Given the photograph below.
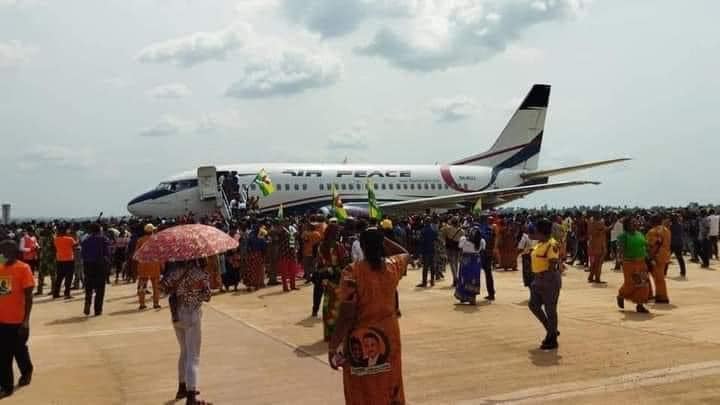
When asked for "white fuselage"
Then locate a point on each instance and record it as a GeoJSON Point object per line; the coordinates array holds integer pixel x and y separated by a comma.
{"type": "Point", "coordinates": [306, 187]}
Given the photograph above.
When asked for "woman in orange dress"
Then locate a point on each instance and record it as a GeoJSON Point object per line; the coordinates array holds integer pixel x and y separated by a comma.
{"type": "Point", "coordinates": [366, 342]}
{"type": "Point", "coordinates": [148, 272]}
{"type": "Point", "coordinates": [507, 245]}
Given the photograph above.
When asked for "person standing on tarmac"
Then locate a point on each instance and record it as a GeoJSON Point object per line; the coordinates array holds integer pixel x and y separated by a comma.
{"type": "Point", "coordinates": [546, 284]}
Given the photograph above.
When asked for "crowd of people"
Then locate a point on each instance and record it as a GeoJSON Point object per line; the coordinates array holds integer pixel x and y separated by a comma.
{"type": "Point", "coordinates": [354, 268]}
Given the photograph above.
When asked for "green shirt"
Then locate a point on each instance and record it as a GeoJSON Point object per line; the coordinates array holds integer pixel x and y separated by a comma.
{"type": "Point", "coordinates": [634, 245]}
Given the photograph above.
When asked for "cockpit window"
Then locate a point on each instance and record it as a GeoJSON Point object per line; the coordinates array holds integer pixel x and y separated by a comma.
{"type": "Point", "coordinates": [174, 186]}
{"type": "Point", "coordinates": [164, 186]}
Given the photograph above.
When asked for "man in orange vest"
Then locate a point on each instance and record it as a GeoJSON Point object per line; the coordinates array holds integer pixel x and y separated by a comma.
{"type": "Point", "coordinates": [16, 294]}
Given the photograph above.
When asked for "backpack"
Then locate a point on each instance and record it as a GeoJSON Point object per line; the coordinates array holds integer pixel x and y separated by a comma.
{"type": "Point", "coordinates": [451, 243]}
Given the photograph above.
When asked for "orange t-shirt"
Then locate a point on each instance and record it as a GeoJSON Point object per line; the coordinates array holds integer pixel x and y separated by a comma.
{"type": "Point", "coordinates": [310, 239]}
{"type": "Point", "coordinates": [64, 248]}
{"type": "Point", "coordinates": [14, 279]}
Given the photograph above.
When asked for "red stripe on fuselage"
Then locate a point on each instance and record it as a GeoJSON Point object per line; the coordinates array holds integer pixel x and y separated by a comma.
{"type": "Point", "coordinates": [449, 180]}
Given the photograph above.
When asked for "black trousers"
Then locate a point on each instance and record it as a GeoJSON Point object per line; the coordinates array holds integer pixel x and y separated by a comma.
{"type": "Point", "coordinates": [428, 269]}
{"type": "Point", "coordinates": [678, 252]}
{"type": "Point", "coordinates": [705, 252]}
{"type": "Point", "coordinates": [65, 271]}
{"type": "Point", "coordinates": [487, 266]}
{"type": "Point", "coordinates": [544, 296]}
{"type": "Point", "coordinates": [318, 291]}
{"type": "Point", "coordinates": [95, 276]}
{"type": "Point", "coordinates": [581, 254]}
{"type": "Point", "coordinates": [13, 345]}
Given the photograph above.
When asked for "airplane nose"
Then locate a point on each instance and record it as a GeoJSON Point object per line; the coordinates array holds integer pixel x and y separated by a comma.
{"type": "Point", "coordinates": [141, 205]}
{"type": "Point", "coordinates": [136, 205]}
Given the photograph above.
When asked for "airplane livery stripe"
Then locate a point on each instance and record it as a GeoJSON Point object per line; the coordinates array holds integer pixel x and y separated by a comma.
{"type": "Point", "coordinates": [476, 158]}
{"type": "Point", "coordinates": [528, 150]}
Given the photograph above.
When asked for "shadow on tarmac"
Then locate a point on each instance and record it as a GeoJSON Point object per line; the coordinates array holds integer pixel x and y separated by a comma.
{"type": "Point", "coordinates": [542, 358]}
{"type": "Point", "coordinates": [312, 350]}
{"type": "Point", "coordinates": [68, 321]}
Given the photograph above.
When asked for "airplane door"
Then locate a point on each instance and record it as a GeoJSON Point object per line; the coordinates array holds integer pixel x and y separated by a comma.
{"type": "Point", "coordinates": [207, 182]}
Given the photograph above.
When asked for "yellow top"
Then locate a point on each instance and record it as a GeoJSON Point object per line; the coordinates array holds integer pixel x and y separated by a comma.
{"type": "Point", "coordinates": [543, 253]}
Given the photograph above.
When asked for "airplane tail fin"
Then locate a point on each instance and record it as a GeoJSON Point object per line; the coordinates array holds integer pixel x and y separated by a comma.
{"type": "Point", "coordinates": [518, 146]}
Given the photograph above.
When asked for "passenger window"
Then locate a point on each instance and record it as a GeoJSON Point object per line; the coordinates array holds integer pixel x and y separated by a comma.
{"type": "Point", "coordinates": [343, 186]}
{"type": "Point", "coordinates": [321, 186]}
{"type": "Point", "coordinates": [432, 186]}
{"type": "Point", "coordinates": [390, 186]}
{"type": "Point", "coordinates": [465, 186]}
{"type": "Point", "coordinates": [405, 186]}
{"type": "Point", "coordinates": [304, 187]}
{"type": "Point", "coordinates": [329, 187]}
{"type": "Point", "coordinates": [412, 186]}
{"type": "Point", "coordinates": [382, 186]}
{"type": "Point", "coordinates": [375, 186]}
{"type": "Point", "coordinates": [297, 187]}
{"type": "Point", "coordinates": [426, 186]}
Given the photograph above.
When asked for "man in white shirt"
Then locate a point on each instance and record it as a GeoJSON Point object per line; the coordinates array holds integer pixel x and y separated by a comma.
{"type": "Point", "coordinates": [714, 232]}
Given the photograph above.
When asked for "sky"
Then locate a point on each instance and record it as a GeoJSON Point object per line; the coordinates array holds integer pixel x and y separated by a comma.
{"type": "Point", "coordinates": [101, 100]}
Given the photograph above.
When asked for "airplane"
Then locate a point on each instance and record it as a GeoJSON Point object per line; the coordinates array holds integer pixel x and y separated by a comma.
{"type": "Point", "coordinates": [505, 172]}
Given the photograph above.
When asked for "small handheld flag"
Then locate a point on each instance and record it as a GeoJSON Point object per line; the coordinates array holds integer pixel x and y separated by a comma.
{"type": "Point", "coordinates": [373, 208]}
{"type": "Point", "coordinates": [337, 206]}
{"type": "Point", "coordinates": [477, 208]}
{"type": "Point", "coordinates": [264, 183]}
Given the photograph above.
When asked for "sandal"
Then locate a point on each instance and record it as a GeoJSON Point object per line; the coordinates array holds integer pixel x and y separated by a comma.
{"type": "Point", "coordinates": [193, 400]}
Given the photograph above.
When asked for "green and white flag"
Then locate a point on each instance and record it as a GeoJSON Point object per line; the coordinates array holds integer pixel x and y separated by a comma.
{"type": "Point", "coordinates": [477, 208]}
{"type": "Point", "coordinates": [373, 208]}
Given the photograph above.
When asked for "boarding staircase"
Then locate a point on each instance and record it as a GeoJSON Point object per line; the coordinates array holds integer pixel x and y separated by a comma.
{"type": "Point", "coordinates": [211, 189]}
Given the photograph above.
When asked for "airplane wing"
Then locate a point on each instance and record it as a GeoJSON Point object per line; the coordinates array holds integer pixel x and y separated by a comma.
{"type": "Point", "coordinates": [500, 194]}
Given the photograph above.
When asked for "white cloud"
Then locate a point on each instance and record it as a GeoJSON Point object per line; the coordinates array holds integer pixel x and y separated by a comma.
{"type": "Point", "coordinates": [14, 53]}
{"type": "Point", "coordinates": [167, 125]}
{"type": "Point", "coordinates": [269, 66]}
{"type": "Point", "coordinates": [198, 47]}
{"type": "Point", "coordinates": [169, 91]}
{"type": "Point", "coordinates": [353, 139]}
{"type": "Point", "coordinates": [212, 122]}
{"type": "Point", "coordinates": [58, 156]}
{"type": "Point", "coordinates": [333, 18]}
{"type": "Point", "coordinates": [287, 72]}
{"type": "Point", "coordinates": [253, 8]}
{"type": "Point", "coordinates": [428, 35]}
{"type": "Point", "coordinates": [453, 108]}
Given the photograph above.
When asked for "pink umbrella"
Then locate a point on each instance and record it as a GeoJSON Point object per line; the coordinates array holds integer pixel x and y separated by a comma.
{"type": "Point", "coordinates": [185, 242]}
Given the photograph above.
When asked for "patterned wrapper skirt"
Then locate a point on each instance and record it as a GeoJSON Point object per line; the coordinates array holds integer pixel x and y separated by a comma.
{"type": "Point", "coordinates": [468, 282]}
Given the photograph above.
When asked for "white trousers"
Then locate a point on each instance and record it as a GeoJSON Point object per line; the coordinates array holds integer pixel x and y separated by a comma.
{"type": "Point", "coordinates": [189, 336]}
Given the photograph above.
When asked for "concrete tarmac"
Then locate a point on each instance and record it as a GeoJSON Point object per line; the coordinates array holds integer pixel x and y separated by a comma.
{"type": "Point", "coordinates": [263, 348]}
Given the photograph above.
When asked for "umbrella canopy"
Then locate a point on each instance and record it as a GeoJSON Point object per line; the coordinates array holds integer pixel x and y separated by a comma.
{"type": "Point", "coordinates": [185, 242]}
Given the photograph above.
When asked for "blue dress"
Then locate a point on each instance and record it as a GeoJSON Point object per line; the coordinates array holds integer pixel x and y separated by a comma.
{"type": "Point", "coordinates": [468, 282]}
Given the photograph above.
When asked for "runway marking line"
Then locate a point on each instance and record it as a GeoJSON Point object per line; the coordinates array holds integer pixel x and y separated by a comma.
{"type": "Point", "coordinates": [602, 385]}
